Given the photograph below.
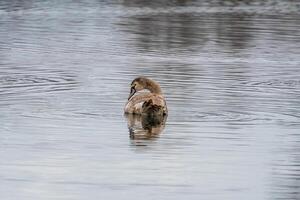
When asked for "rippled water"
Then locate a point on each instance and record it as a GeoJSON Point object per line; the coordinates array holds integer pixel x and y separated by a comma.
{"type": "Point", "coordinates": [230, 74]}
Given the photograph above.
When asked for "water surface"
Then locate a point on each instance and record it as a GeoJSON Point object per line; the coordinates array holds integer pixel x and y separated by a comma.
{"type": "Point", "coordinates": [230, 74]}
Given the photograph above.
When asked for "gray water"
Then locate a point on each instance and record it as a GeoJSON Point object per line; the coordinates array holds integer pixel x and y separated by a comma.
{"type": "Point", "coordinates": [230, 72]}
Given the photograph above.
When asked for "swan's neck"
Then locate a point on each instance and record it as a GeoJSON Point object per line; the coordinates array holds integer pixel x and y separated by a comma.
{"type": "Point", "coordinates": [153, 87]}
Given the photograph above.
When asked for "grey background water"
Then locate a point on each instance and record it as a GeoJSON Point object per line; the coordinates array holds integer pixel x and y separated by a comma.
{"type": "Point", "coordinates": [229, 71]}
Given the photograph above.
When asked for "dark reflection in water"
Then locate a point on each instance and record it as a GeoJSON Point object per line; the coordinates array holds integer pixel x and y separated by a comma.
{"type": "Point", "coordinates": [185, 32]}
{"type": "Point", "coordinates": [155, 3]}
{"type": "Point", "coordinates": [159, 32]}
{"type": "Point", "coordinates": [229, 70]}
{"type": "Point", "coordinates": [145, 127]}
{"type": "Point", "coordinates": [179, 3]}
{"type": "Point", "coordinates": [237, 36]}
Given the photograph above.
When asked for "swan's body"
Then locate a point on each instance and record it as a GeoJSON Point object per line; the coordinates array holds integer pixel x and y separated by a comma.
{"type": "Point", "coordinates": [150, 103]}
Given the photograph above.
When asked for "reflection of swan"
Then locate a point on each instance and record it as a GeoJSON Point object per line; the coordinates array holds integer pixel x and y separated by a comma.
{"type": "Point", "coordinates": [145, 127]}
{"type": "Point", "coordinates": [151, 103]}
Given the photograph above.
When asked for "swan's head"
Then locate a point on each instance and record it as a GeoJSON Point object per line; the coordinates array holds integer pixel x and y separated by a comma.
{"type": "Point", "coordinates": [137, 84]}
{"type": "Point", "coordinates": [142, 83]}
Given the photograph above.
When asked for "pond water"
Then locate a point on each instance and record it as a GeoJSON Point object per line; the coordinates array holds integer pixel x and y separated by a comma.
{"type": "Point", "coordinates": [230, 72]}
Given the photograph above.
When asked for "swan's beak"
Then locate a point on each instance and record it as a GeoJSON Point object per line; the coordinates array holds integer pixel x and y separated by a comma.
{"type": "Point", "coordinates": [132, 92]}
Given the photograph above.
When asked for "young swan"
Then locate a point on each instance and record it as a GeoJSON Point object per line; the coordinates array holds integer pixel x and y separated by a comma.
{"type": "Point", "coordinates": [151, 103]}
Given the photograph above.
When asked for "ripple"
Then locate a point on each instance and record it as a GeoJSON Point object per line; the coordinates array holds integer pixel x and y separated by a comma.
{"type": "Point", "coordinates": [39, 83]}
{"type": "Point", "coordinates": [277, 83]}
